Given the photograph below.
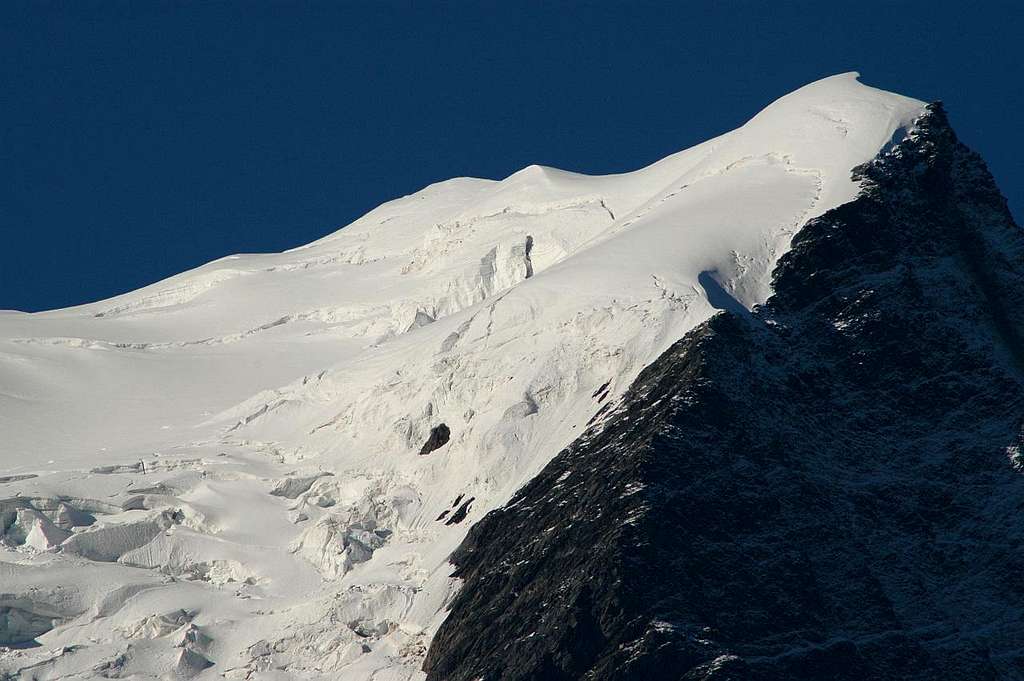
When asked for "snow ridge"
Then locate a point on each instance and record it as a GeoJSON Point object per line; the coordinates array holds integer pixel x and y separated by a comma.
{"type": "Point", "coordinates": [260, 419]}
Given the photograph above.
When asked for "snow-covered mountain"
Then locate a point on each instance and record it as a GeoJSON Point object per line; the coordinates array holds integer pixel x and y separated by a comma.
{"type": "Point", "coordinates": [259, 468]}
{"type": "Point", "coordinates": [827, 488]}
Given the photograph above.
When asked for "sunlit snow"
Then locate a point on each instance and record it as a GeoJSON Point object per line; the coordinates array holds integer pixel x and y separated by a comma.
{"type": "Point", "coordinates": [224, 467]}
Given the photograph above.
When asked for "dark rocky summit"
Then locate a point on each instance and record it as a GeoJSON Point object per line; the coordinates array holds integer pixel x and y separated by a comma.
{"type": "Point", "coordinates": [828, 489]}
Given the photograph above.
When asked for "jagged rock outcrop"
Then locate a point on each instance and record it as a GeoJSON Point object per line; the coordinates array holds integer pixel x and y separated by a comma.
{"type": "Point", "coordinates": [439, 436]}
{"type": "Point", "coordinates": [830, 488]}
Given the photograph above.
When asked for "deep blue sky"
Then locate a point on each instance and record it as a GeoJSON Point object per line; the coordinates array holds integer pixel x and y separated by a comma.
{"type": "Point", "coordinates": [141, 139]}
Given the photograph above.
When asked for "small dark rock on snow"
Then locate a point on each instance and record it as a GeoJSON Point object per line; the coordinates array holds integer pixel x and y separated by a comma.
{"type": "Point", "coordinates": [439, 436]}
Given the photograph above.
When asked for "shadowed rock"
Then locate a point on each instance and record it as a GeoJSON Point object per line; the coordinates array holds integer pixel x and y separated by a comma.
{"type": "Point", "coordinates": [439, 436]}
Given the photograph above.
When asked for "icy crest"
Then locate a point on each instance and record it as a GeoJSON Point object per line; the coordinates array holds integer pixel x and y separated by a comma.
{"type": "Point", "coordinates": [255, 426]}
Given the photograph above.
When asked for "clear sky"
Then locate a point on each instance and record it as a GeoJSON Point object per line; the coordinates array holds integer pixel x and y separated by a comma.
{"type": "Point", "coordinates": [140, 139]}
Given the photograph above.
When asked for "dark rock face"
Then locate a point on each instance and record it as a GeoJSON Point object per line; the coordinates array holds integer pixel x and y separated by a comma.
{"type": "Point", "coordinates": [439, 436]}
{"type": "Point", "coordinates": [828, 489]}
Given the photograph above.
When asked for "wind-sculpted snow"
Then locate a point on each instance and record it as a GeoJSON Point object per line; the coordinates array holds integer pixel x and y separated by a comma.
{"type": "Point", "coordinates": [258, 423]}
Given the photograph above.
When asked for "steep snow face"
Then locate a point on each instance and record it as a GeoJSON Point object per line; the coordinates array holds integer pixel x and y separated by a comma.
{"type": "Point", "coordinates": [245, 464]}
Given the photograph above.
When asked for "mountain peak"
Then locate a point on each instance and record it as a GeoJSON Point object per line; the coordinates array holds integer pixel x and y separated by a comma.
{"type": "Point", "coordinates": [823, 489]}
{"type": "Point", "coordinates": [319, 428]}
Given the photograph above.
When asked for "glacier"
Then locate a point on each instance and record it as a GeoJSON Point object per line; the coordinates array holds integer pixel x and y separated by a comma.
{"type": "Point", "coordinates": [224, 474]}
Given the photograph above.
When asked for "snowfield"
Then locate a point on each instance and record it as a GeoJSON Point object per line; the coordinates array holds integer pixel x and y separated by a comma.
{"type": "Point", "coordinates": [220, 475]}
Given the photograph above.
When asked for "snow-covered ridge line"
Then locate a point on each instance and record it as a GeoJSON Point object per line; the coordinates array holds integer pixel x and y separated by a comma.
{"type": "Point", "coordinates": [344, 411]}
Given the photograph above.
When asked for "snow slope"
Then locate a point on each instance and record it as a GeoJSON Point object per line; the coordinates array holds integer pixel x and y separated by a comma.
{"type": "Point", "coordinates": [225, 465]}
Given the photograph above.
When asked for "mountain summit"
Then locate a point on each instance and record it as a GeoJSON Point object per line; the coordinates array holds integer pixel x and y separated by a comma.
{"type": "Point", "coordinates": [827, 488]}
{"type": "Point", "coordinates": [782, 369]}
